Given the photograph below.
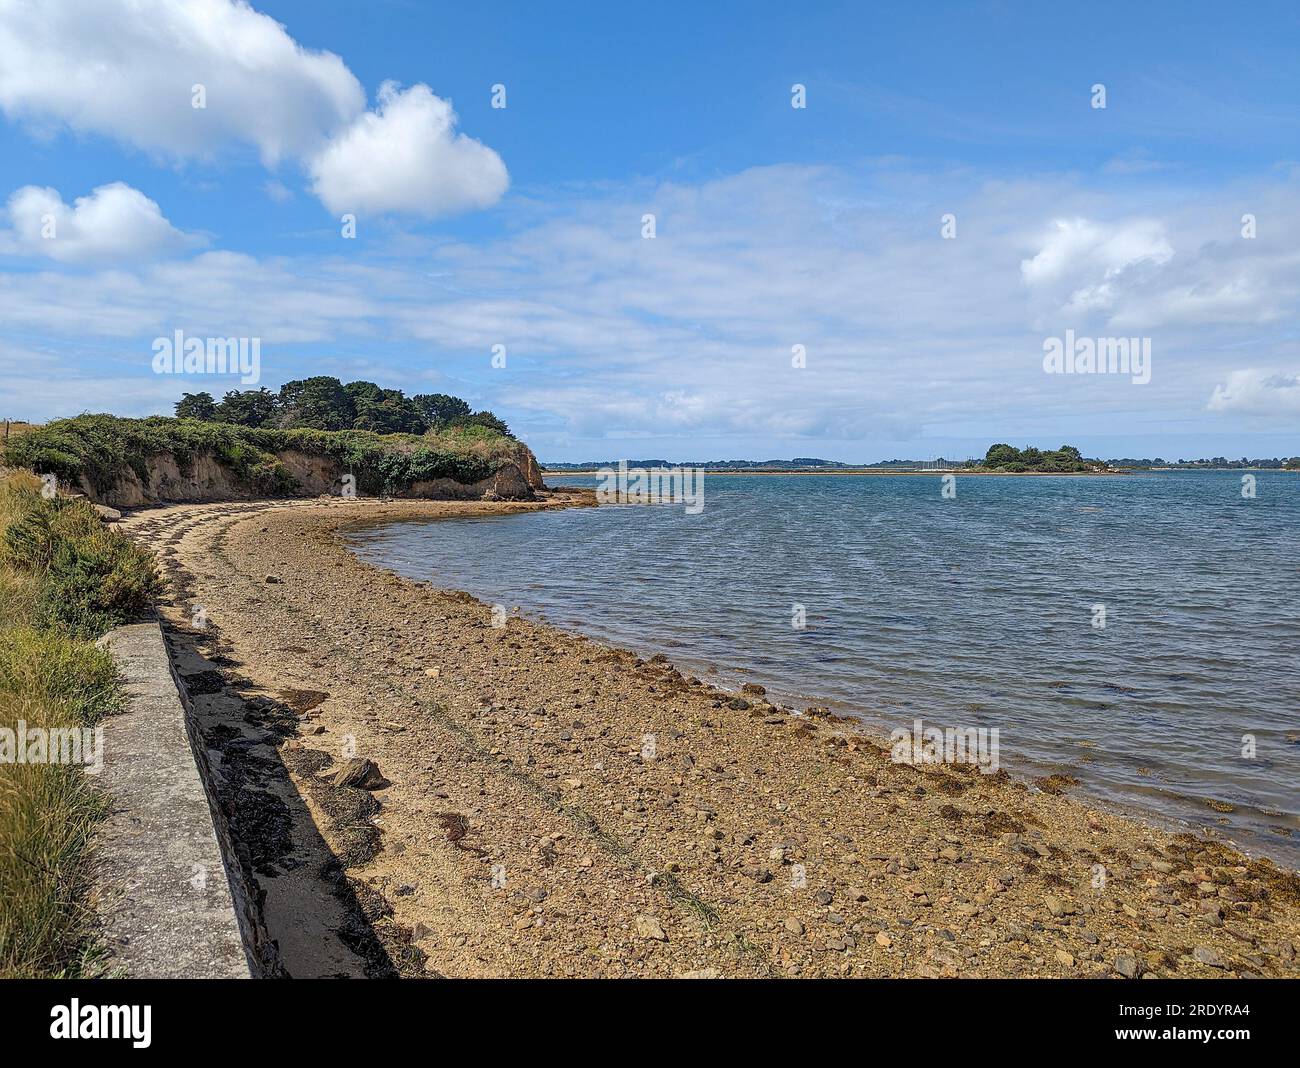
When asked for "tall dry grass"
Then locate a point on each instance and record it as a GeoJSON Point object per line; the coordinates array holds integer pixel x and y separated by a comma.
{"type": "Point", "coordinates": [62, 578]}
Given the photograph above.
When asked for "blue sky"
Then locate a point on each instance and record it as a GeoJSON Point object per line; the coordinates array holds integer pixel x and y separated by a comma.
{"type": "Point", "coordinates": [775, 227]}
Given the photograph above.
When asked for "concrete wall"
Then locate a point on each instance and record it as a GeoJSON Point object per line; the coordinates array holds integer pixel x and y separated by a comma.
{"type": "Point", "coordinates": [165, 899]}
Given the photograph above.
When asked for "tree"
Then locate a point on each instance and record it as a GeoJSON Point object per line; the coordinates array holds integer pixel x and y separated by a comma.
{"type": "Point", "coordinates": [321, 403]}
{"type": "Point", "coordinates": [386, 411]}
{"type": "Point", "coordinates": [196, 406]}
{"type": "Point", "coordinates": [440, 409]}
{"type": "Point", "coordinates": [251, 407]}
{"type": "Point", "coordinates": [1001, 455]}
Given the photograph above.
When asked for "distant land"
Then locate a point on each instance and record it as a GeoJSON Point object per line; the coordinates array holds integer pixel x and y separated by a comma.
{"type": "Point", "coordinates": [807, 463]}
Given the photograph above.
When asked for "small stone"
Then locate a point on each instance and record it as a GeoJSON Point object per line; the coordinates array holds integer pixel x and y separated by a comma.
{"type": "Point", "coordinates": [794, 926]}
{"type": "Point", "coordinates": [273, 578]}
{"type": "Point", "coordinates": [649, 928]}
{"type": "Point", "coordinates": [1208, 957]}
{"type": "Point", "coordinates": [1054, 905]}
{"type": "Point", "coordinates": [883, 940]}
{"type": "Point", "coordinates": [698, 973]}
{"type": "Point", "coordinates": [433, 673]}
{"type": "Point", "coordinates": [1126, 966]}
{"type": "Point", "coordinates": [1065, 958]}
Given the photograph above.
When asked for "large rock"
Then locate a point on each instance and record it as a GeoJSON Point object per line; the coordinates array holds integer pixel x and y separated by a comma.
{"type": "Point", "coordinates": [361, 773]}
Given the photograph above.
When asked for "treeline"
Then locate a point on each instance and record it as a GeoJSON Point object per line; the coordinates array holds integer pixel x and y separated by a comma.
{"type": "Point", "coordinates": [1003, 457]}
{"type": "Point", "coordinates": [1276, 463]}
{"type": "Point", "coordinates": [325, 403]}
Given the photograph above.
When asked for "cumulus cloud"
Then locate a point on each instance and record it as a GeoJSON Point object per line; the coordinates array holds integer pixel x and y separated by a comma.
{"type": "Point", "coordinates": [1258, 392]}
{"type": "Point", "coordinates": [133, 70]}
{"type": "Point", "coordinates": [127, 69]}
{"type": "Point", "coordinates": [406, 157]}
{"type": "Point", "coordinates": [114, 222]}
{"type": "Point", "coordinates": [1081, 262]}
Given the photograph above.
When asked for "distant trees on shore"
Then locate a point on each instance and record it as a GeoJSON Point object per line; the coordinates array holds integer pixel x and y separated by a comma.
{"type": "Point", "coordinates": [325, 403]}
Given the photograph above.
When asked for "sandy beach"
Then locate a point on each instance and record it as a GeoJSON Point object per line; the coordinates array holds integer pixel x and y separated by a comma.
{"type": "Point", "coordinates": [544, 805]}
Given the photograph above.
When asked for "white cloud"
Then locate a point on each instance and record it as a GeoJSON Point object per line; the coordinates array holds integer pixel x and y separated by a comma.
{"type": "Point", "coordinates": [1082, 263]}
{"type": "Point", "coordinates": [1257, 392]}
{"type": "Point", "coordinates": [126, 69]}
{"type": "Point", "coordinates": [115, 222]}
{"type": "Point", "coordinates": [406, 157]}
{"type": "Point", "coordinates": [687, 338]}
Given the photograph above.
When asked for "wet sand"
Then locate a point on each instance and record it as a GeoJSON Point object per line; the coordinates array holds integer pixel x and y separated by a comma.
{"type": "Point", "coordinates": [556, 807]}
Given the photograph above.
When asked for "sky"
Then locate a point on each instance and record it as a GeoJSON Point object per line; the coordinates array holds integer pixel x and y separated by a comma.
{"type": "Point", "coordinates": [877, 273]}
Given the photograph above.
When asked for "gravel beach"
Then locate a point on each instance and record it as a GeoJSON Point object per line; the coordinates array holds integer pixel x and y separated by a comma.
{"type": "Point", "coordinates": [427, 794]}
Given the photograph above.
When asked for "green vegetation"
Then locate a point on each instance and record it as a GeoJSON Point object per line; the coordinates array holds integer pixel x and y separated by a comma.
{"type": "Point", "coordinates": [325, 403]}
{"type": "Point", "coordinates": [64, 579]}
{"type": "Point", "coordinates": [102, 447]}
{"type": "Point", "coordinates": [1008, 458]}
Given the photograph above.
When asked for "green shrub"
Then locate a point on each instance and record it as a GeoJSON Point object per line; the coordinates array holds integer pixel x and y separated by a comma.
{"type": "Point", "coordinates": [99, 448]}
{"type": "Point", "coordinates": [91, 578]}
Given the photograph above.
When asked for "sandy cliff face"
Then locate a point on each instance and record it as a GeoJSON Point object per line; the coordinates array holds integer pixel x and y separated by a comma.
{"type": "Point", "coordinates": [527, 463]}
{"type": "Point", "coordinates": [204, 480]}
{"type": "Point", "coordinates": [207, 479]}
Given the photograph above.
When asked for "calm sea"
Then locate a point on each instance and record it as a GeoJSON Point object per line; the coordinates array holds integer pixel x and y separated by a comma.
{"type": "Point", "coordinates": [977, 611]}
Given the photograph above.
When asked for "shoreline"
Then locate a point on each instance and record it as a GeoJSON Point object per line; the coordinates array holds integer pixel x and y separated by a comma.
{"type": "Point", "coordinates": [517, 755]}
{"type": "Point", "coordinates": [867, 471]}
{"type": "Point", "coordinates": [945, 471]}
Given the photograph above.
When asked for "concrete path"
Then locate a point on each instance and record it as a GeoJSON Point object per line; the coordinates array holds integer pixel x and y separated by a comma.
{"type": "Point", "coordinates": [162, 893]}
